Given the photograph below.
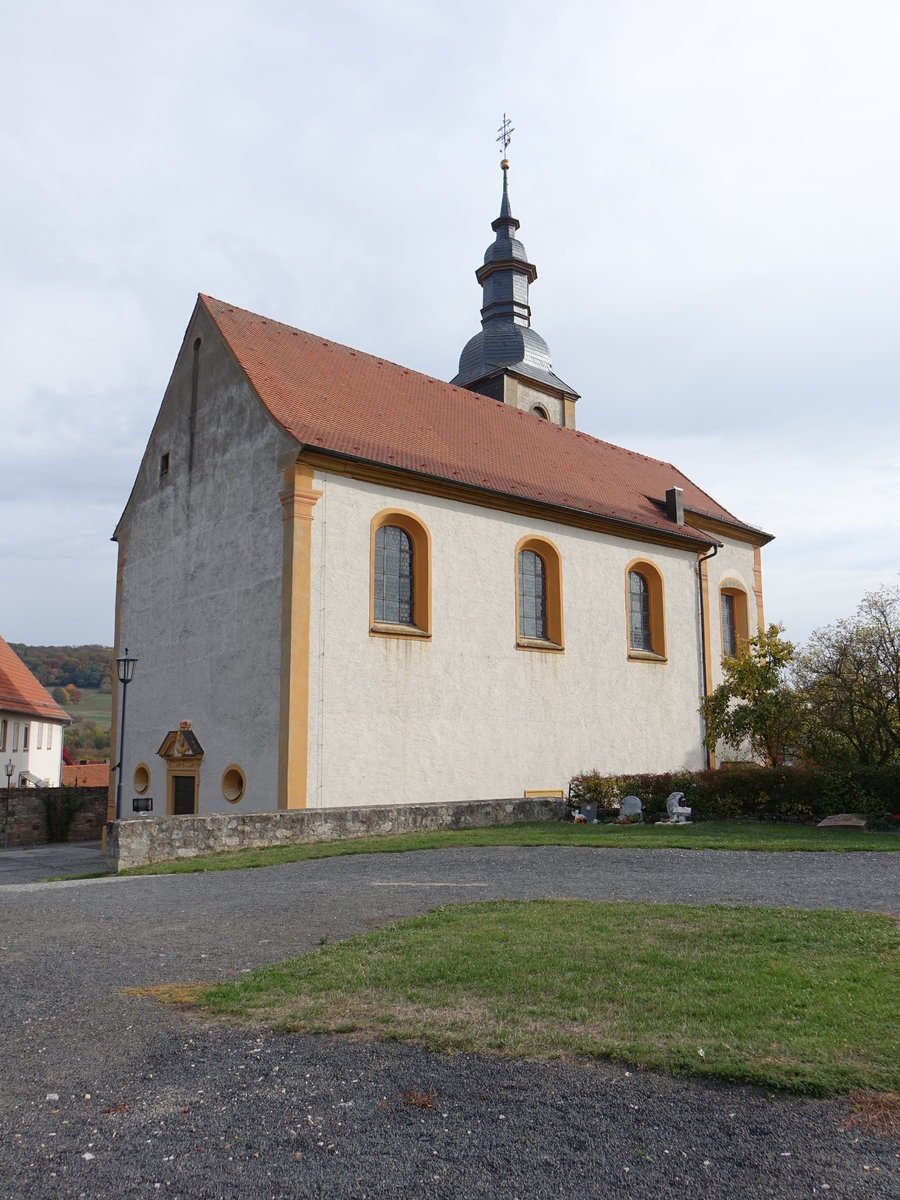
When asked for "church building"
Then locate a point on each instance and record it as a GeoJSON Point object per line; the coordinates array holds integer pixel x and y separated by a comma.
{"type": "Point", "coordinates": [348, 583]}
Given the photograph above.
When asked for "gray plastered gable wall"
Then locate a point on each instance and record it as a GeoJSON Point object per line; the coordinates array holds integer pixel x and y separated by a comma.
{"type": "Point", "coordinates": [201, 585]}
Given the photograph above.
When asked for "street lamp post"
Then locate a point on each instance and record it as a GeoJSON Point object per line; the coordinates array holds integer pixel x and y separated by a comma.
{"type": "Point", "coordinates": [9, 767]}
{"type": "Point", "coordinates": [125, 670]}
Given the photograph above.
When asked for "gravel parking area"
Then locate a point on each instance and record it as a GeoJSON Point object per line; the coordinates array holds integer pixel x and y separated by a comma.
{"type": "Point", "coordinates": [41, 862]}
{"type": "Point", "coordinates": [102, 1093]}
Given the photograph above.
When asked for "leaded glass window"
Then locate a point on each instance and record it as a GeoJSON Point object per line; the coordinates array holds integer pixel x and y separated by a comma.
{"type": "Point", "coordinates": [393, 576]}
{"type": "Point", "coordinates": [532, 595]}
{"type": "Point", "coordinates": [638, 612]}
{"type": "Point", "coordinates": [729, 632]}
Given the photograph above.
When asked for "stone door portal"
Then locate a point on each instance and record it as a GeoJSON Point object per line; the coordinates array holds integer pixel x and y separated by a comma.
{"type": "Point", "coordinates": [183, 756]}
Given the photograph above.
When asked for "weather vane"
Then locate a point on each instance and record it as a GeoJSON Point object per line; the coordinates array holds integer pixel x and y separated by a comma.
{"type": "Point", "coordinates": [505, 131]}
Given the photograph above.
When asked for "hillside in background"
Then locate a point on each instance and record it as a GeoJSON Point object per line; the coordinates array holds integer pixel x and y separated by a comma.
{"type": "Point", "coordinates": [80, 678]}
{"type": "Point", "coordinates": [59, 666]}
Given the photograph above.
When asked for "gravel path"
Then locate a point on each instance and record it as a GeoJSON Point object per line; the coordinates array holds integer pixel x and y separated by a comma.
{"type": "Point", "coordinates": [104, 1094]}
{"type": "Point", "coordinates": [45, 862]}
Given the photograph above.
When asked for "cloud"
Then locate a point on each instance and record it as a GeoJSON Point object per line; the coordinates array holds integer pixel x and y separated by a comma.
{"type": "Point", "coordinates": [704, 188]}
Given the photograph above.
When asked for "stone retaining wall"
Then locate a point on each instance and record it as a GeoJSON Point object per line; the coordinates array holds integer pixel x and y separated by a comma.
{"type": "Point", "coordinates": [27, 814]}
{"type": "Point", "coordinates": [134, 843]}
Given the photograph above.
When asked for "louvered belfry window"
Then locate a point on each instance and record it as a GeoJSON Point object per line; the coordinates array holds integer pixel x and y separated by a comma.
{"type": "Point", "coordinates": [393, 576]}
{"type": "Point", "coordinates": [638, 612]}
{"type": "Point", "coordinates": [532, 595]}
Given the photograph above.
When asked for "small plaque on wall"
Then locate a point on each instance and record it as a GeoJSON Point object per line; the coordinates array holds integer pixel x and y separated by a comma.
{"type": "Point", "coordinates": [142, 804]}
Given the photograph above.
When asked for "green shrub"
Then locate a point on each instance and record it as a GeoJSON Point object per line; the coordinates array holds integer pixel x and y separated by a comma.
{"type": "Point", "coordinates": [750, 792]}
{"type": "Point", "coordinates": [593, 788]}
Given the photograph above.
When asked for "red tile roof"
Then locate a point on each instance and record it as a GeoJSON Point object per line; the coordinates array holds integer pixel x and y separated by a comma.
{"type": "Point", "coordinates": [85, 775]}
{"type": "Point", "coordinates": [20, 692]}
{"type": "Point", "coordinates": [335, 399]}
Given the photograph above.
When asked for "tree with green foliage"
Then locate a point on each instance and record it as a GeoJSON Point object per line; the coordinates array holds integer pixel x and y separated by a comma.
{"type": "Point", "coordinates": [849, 674]}
{"type": "Point", "coordinates": [87, 740]}
{"type": "Point", "coordinates": [755, 705]}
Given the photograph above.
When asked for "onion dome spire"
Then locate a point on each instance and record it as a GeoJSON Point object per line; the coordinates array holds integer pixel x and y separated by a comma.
{"type": "Point", "coordinates": [507, 346]}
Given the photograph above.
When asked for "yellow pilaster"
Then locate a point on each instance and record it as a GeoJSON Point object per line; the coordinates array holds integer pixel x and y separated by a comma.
{"type": "Point", "coordinates": [757, 588]}
{"type": "Point", "coordinates": [707, 653]}
{"type": "Point", "coordinates": [297, 501]}
{"type": "Point", "coordinates": [568, 413]}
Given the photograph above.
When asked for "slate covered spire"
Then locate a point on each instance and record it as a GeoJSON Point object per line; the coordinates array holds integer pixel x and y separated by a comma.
{"type": "Point", "coordinates": [507, 344]}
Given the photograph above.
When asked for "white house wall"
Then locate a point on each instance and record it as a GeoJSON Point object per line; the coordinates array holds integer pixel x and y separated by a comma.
{"type": "Point", "coordinates": [45, 762]}
{"type": "Point", "coordinates": [466, 714]}
{"type": "Point", "coordinates": [201, 584]}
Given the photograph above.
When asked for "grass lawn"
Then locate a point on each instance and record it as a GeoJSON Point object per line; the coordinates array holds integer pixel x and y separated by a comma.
{"type": "Point", "coordinates": [786, 999]}
{"type": "Point", "coordinates": [95, 708]}
{"type": "Point", "coordinates": [708, 835]}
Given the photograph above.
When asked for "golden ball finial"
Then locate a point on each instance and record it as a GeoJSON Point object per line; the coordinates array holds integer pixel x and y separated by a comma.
{"type": "Point", "coordinates": [504, 165]}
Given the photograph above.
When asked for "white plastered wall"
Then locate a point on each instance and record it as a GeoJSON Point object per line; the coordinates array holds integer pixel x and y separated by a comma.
{"type": "Point", "coordinates": [467, 715]}
{"type": "Point", "coordinates": [201, 587]}
{"type": "Point", "coordinates": [44, 761]}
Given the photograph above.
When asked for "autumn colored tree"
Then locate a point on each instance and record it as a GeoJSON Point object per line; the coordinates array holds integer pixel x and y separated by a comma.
{"type": "Point", "coordinates": [87, 740]}
{"type": "Point", "coordinates": [56, 666]}
{"type": "Point", "coordinates": [755, 705]}
{"type": "Point", "coordinates": [850, 676]}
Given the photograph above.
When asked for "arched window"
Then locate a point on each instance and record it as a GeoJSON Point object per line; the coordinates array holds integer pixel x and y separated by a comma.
{"type": "Point", "coordinates": [539, 624]}
{"type": "Point", "coordinates": [393, 576]}
{"type": "Point", "coordinates": [638, 612]}
{"type": "Point", "coordinates": [645, 608]}
{"type": "Point", "coordinates": [400, 591]}
{"type": "Point", "coordinates": [735, 628]}
{"type": "Point", "coordinates": [532, 595]}
{"type": "Point", "coordinates": [540, 412]}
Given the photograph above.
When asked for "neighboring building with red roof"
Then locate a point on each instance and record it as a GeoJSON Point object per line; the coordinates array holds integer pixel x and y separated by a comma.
{"type": "Point", "coordinates": [346, 582]}
{"type": "Point", "coordinates": [85, 775]}
{"type": "Point", "coordinates": [31, 725]}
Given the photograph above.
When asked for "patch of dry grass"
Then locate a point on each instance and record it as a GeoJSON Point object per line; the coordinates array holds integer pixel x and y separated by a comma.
{"type": "Point", "coordinates": [874, 1112]}
{"type": "Point", "coordinates": [181, 995]}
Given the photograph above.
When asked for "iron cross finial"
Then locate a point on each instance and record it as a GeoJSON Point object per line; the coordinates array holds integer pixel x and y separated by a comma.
{"type": "Point", "coordinates": [505, 131]}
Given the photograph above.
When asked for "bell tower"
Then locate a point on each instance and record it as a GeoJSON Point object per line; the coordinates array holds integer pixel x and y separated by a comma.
{"type": "Point", "coordinates": [508, 360]}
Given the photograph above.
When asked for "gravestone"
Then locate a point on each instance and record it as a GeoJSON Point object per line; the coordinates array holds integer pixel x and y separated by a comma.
{"type": "Point", "coordinates": [842, 821]}
{"type": "Point", "coordinates": [630, 806]}
{"type": "Point", "coordinates": [678, 812]}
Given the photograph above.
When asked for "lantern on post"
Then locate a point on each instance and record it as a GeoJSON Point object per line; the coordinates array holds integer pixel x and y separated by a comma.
{"type": "Point", "coordinates": [125, 671]}
{"type": "Point", "coordinates": [9, 767]}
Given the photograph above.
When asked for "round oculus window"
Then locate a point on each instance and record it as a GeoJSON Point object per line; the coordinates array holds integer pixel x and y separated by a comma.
{"type": "Point", "coordinates": [233, 784]}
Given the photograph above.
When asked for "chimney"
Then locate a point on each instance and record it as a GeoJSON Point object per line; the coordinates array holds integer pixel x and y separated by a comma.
{"type": "Point", "coordinates": [675, 505]}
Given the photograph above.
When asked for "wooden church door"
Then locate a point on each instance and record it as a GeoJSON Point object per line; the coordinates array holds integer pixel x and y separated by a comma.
{"type": "Point", "coordinates": [184, 795]}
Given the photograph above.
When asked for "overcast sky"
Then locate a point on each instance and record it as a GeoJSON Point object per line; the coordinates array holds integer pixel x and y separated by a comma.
{"type": "Point", "coordinates": [710, 192]}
